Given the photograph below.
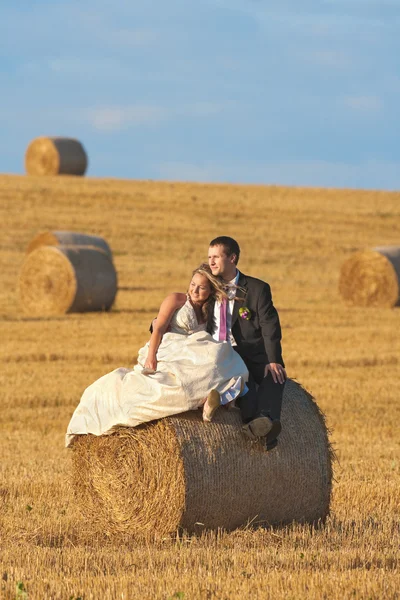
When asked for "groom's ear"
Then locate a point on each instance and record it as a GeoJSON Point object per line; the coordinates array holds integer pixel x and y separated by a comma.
{"type": "Point", "coordinates": [232, 258]}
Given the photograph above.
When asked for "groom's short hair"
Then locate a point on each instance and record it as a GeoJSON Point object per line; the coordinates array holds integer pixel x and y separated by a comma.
{"type": "Point", "coordinates": [230, 246]}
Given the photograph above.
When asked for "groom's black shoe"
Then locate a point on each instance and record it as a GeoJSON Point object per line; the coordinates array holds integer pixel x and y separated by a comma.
{"type": "Point", "coordinates": [271, 442]}
{"type": "Point", "coordinates": [271, 445]}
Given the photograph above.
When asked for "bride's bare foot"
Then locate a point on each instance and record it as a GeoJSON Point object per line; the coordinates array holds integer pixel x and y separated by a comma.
{"type": "Point", "coordinates": [210, 406]}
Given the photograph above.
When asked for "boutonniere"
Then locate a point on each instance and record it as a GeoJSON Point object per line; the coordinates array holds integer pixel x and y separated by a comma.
{"type": "Point", "coordinates": [245, 313]}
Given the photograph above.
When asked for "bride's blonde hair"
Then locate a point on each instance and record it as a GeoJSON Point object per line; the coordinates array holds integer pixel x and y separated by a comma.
{"type": "Point", "coordinates": [218, 293]}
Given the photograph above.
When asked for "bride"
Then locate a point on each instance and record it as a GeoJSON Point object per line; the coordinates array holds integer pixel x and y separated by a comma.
{"type": "Point", "coordinates": [181, 368]}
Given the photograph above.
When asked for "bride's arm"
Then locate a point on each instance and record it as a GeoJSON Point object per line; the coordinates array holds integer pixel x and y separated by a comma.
{"type": "Point", "coordinates": [167, 309]}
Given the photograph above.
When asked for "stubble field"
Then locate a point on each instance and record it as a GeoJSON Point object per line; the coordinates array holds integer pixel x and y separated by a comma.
{"type": "Point", "coordinates": [348, 358]}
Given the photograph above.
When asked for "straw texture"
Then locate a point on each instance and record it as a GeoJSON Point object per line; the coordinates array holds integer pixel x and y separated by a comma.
{"type": "Point", "coordinates": [180, 472]}
{"type": "Point", "coordinates": [55, 280]}
{"type": "Point", "coordinates": [55, 156]}
{"type": "Point", "coordinates": [372, 278]}
{"type": "Point", "coordinates": [68, 238]}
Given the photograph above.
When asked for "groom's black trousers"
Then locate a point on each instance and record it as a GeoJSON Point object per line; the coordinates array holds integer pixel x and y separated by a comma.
{"type": "Point", "coordinates": [266, 400]}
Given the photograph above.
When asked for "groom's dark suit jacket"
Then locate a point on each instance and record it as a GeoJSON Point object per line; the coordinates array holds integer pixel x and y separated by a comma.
{"type": "Point", "coordinates": [258, 339]}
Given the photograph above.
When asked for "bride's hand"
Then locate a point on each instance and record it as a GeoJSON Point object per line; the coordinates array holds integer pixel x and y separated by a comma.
{"type": "Point", "coordinates": [151, 363]}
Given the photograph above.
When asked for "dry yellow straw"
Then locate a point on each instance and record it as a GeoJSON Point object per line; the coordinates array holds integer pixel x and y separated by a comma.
{"type": "Point", "coordinates": [179, 472]}
{"type": "Point", "coordinates": [372, 278]}
{"type": "Point", "coordinates": [55, 156]}
{"type": "Point", "coordinates": [68, 238]}
{"type": "Point", "coordinates": [55, 280]}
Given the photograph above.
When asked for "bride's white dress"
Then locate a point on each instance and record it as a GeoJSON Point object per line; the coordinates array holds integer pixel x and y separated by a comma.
{"type": "Point", "coordinates": [190, 363]}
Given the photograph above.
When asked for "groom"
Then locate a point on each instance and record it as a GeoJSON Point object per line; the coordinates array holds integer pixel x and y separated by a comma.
{"type": "Point", "coordinates": [252, 326]}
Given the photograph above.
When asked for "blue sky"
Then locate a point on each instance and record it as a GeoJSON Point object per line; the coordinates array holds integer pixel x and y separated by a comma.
{"type": "Point", "coordinates": [296, 92]}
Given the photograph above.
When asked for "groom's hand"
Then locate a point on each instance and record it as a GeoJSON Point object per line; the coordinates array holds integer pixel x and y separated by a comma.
{"type": "Point", "coordinates": [277, 371]}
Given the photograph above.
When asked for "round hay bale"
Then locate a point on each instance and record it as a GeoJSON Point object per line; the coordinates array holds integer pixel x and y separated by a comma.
{"type": "Point", "coordinates": [372, 278]}
{"type": "Point", "coordinates": [55, 156]}
{"type": "Point", "coordinates": [181, 473]}
{"type": "Point", "coordinates": [68, 238]}
{"type": "Point", "coordinates": [56, 280]}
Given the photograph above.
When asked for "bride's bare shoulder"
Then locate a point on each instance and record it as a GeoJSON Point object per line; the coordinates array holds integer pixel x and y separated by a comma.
{"type": "Point", "coordinates": [169, 305]}
{"type": "Point", "coordinates": [176, 299]}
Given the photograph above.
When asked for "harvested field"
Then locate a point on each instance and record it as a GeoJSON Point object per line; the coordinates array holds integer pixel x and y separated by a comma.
{"type": "Point", "coordinates": [347, 357]}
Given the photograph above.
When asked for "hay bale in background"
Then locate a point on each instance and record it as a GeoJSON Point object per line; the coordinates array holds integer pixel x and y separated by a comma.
{"type": "Point", "coordinates": [68, 238]}
{"type": "Point", "coordinates": [55, 156]}
{"type": "Point", "coordinates": [179, 472]}
{"type": "Point", "coordinates": [55, 280]}
{"type": "Point", "coordinates": [372, 278]}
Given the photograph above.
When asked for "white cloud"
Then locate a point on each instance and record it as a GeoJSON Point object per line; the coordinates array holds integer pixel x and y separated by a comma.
{"type": "Point", "coordinates": [113, 118]}
{"type": "Point", "coordinates": [364, 103]}
{"type": "Point", "coordinates": [201, 109]}
{"type": "Point", "coordinates": [335, 59]}
{"type": "Point", "coordinates": [116, 117]}
{"type": "Point", "coordinates": [87, 67]}
{"type": "Point", "coordinates": [133, 37]}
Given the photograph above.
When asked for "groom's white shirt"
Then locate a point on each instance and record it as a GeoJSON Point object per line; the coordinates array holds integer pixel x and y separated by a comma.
{"type": "Point", "coordinates": [229, 312]}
